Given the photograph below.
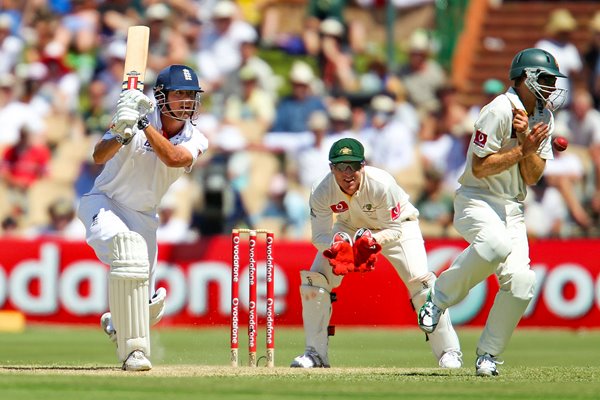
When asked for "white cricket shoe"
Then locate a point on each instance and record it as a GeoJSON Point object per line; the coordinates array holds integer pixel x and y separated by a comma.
{"type": "Point", "coordinates": [451, 359]}
{"type": "Point", "coordinates": [429, 315]}
{"type": "Point", "coordinates": [310, 359]}
{"type": "Point", "coordinates": [107, 326]}
{"type": "Point", "coordinates": [137, 361]}
{"type": "Point", "coordinates": [485, 365]}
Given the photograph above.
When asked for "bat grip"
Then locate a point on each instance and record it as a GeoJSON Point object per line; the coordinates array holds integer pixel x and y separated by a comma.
{"type": "Point", "coordinates": [127, 132]}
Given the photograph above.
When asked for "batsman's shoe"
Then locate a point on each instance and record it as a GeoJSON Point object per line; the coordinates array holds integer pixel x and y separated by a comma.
{"type": "Point", "coordinates": [485, 365]}
{"type": "Point", "coordinates": [137, 361]}
{"type": "Point", "coordinates": [429, 315]}
{"type": "Point", "coordinates": [310, 359]}
{"type": "Point", "coordinates": [451, 359]}
{"type": "Point", "coordinates": [107, 326]}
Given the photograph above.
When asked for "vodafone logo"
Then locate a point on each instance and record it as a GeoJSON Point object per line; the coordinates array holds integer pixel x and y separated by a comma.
{"type": "Point", "coordinates": [395, 212]}
{"type": "Point", "coordinates": [480, 139]}
{"type": "Point", "coordinates": [339, 207]}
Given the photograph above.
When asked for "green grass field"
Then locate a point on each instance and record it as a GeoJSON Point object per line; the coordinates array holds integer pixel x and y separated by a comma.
{"type": "Point", "coordinates": [79, 363]}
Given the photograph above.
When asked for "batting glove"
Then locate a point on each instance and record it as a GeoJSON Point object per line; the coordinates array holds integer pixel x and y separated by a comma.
{"type": "Point", "coordinates": [123, 122]}
{"type": "Point", "coordinates": [365, 250]}
{"type": "Point", "coordinates": [340, 254]}
{"type": "Point", "coordinates": [136, 100]}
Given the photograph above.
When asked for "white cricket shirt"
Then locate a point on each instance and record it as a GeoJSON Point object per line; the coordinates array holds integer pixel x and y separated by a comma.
{"type": "Point", "coordinates": [493, 132]}
{"type": "Point", "coordinates": [379, 205]}
{"type": "Point", "coordinates": [136, 177]}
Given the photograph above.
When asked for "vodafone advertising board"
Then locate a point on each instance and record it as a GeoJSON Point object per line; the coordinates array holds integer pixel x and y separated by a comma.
{"type": "Point", "coordinates": [63, 282]}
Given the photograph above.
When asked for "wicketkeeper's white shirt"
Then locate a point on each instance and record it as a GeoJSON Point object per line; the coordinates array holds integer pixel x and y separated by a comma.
{"type": "Point", "coordinates": [379, 205]}
{"type": "Point", "coordinates": [136, 177]}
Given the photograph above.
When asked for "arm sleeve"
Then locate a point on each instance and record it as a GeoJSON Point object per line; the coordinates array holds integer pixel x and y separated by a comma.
{"type": "Point", "coordinates": [197, 145]}
{"type": "Point", "coordinates": [490, 129]}
{"type": "Point", "coordinates": [321, 221]}
{"type": "Point", "coordinates": [389, 215]}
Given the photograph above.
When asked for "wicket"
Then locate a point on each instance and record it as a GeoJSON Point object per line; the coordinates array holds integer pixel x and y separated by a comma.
{"type": "Point", "coordinates": [252, 297]}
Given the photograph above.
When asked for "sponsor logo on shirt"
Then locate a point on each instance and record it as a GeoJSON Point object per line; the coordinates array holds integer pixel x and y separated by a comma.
{"type": "Point", "coordinates": [480, 139]}
{"type": "Point", "coordinates": [395, 212]}
{"type": "Point", "coordinates": [339, 207]}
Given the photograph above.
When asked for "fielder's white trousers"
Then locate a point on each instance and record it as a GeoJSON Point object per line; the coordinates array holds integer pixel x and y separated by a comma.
{"type": "Point", "coordinates": [495, 229]}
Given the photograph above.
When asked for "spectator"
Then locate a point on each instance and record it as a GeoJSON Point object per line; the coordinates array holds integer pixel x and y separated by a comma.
{"type": "Point", "coordinates": [220, 48]}
{"type": "Point", "coordinates": [63, 223]}
{"type": "Point", "coordinates": [318, 11]}
{"type": "Point", "coordinates": [591, 60]}
{"type": "Point", "coordinates": [111, 74]}
{"type": "Point", "coordinates": [22, 164]}
{"type": "Point", "coordinates": [14, 113]}
{"type": "Point", "coordinates": [266, 78]}
{"type": "Point", "coordinates": [422, 75]}
{"type": "Point", "coordinates": [491, 88]}
{"type": "Point", "coordinates": [435, 205]}
{"type": "Point", "coordinates": [285, 208]}
{"type": "Point", "coordinates": [167, 45]}
{"type": "Point", "coordinates": [335, 62]}
{"type": "Point", "coordinates": [392, 145]}
{"type": "Point", "coordinates": [558, 42]}
{"type": "Point", "coordinates": [307, 164]}
{"type": "Point", "coordinates": [294, 110]}
{"type": "Point", "coordinates": [11, 46]}
{"type": "Point", "coordinates": [172, 228]}
{"type": "Point", "coordinates": [253, 111]}
{"type": "Point", "coordinates": [580, 123]}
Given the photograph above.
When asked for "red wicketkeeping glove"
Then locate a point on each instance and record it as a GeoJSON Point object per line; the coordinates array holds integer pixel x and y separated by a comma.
{"type": "Point", "coordinates": [340, 255]}
{"type": "Point", "coordinates": [365, 249]}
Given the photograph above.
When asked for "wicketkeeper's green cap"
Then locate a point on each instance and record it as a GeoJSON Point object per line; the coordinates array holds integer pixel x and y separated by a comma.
{"type": "Point", "coordinates": [346, 150]}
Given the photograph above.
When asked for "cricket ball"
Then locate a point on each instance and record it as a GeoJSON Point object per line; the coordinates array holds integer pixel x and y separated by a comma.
{"type": "Point", "coordinates": [560, 143]}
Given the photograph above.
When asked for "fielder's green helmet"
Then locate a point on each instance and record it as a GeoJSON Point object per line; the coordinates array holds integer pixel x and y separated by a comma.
{"type": "Point", "coordinates": [537, 59]}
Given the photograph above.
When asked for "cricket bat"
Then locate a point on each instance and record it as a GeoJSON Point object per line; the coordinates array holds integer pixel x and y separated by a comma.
{"type": "Point", "coordinates": [136, 58]}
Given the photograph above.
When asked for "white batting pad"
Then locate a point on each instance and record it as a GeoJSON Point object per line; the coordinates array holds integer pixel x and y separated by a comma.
{"type": "Point", "coordinates": [128, 293]}
{"type": "Point", "coordinates": [316, 312]}
{"type": "Point", "coordinates": [157, 306]}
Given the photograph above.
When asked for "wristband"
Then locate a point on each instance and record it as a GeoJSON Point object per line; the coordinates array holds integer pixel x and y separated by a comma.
{"type": "Point", "coordinates": [124, 141]}
{"type": "Point", "coordinates": [143, 123]}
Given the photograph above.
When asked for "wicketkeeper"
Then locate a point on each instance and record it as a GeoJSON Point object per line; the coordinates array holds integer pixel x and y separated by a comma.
{"type": "Point", "coordinates": [146, 149]}
{"type": "Point", "coordinates": [373, 216]}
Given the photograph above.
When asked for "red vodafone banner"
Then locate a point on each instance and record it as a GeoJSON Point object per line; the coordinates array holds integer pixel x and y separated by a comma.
{"type": "Point", "coordinates": [63, 282]}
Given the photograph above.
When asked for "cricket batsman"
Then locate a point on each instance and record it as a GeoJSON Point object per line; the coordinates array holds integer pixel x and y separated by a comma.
{"type": "Point", "coordinates": [508, 152]}
{"type": "Point", "coordinates": [373, 215]}
{"type": "Point", "coordinates": [146, 149]}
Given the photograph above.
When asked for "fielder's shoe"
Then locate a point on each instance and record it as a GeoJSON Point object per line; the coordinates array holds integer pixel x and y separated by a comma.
{"type": "Point", "coordinates": [310, 359]}
{"type": "Point", "coordinates": [451, 359]}
{"type": "Point", "coordinates": [429, 315]}
{"type": "Point", "coordinates": [485, 365]}
{"type": "Point", "coordinates": [107, 326]}
{"type": "Point", "coordinates": [137, 361]}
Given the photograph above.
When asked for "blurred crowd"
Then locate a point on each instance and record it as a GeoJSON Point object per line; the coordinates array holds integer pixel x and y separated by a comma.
{"type": "Point", "coordinates": [273, 104]}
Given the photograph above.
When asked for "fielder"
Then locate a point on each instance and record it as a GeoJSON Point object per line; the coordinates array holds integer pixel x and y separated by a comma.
{"type": "Point", "coordinates": [146, 149]}
{"type": "Point", "coordinates": [508, 151]}
{"type": "Point", "coordinates": [372, 208]}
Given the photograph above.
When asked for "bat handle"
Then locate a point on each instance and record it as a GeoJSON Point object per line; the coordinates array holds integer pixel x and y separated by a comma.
{"type": "Point", "coordinates": [127, 132]}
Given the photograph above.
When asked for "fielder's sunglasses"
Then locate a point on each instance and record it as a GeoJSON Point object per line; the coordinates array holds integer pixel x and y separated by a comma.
{"type": "Point", "coordinates": [354, 166]}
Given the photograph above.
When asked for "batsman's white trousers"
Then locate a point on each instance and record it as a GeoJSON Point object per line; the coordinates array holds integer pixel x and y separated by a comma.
{"type": "Point", "coordinates": [103, 218]}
